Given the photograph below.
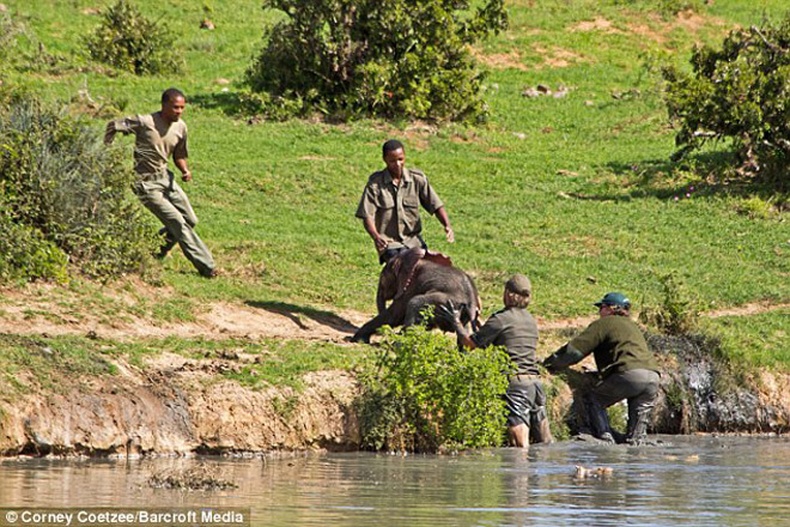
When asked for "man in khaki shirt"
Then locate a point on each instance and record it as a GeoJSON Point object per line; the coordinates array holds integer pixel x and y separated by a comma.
{"type": "Point", "coordinates": [159, 136]}
{"type": "Point", "coordinates": [390, 205]}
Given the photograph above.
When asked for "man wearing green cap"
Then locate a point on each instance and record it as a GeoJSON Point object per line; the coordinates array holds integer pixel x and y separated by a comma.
{"type": "Point", "coordinates": [626, 368]}
{"type": "Point", "coordinates": [514, 328]}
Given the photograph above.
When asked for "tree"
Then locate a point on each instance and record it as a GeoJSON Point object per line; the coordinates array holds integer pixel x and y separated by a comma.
{"type": "Point", "coordinates": [388, 58]}
{"type": "Point", "coordinates": [129, 41]}
{"type": "Point", "coordinates": [740, 92]}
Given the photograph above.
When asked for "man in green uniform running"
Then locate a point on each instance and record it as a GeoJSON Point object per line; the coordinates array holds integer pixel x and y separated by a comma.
{"type": "Point", "coordinates": [159, 136]}
{"type": "Point", "coordinates": [390, 205]}
{"type": "Point", "coordinates": [514, 328]}
{"type": "Point", "coordinates": [626, 368]}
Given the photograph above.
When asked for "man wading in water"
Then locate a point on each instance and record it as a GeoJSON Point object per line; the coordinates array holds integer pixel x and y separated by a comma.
{"type": "Point", "coordinates": [514, 328]}
{"type": "Point", "coordinates": [626, 368]}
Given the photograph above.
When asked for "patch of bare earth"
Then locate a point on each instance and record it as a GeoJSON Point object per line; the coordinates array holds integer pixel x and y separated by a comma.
{"type": "Point", "coordinates": [42, 310]}
{"type": "Point", "coordinates": [653, 27]}
{"type": "Point", "coordinates": [746, 310]}
{"type": "Point", "coordinates": [599, 24]}
{"type": "Point", "coordinates": [556, 57]}
{"type": "Point", "coordinates": [39, 310]}
{"type": "Point", "coordinates": [501, 61]}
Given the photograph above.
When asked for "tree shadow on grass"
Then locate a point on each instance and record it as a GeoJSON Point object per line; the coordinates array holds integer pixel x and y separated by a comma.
{"type": "Point", "coordinates": [705, 174]}
{"type": "Point", "coordinates": [295, 313]}
{"type": "Point", "coordinates": [232, 104]}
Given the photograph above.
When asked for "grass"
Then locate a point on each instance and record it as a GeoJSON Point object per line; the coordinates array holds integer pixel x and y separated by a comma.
{"type": "Point", "coordinates": [257, 364]}
{"type": "Point", "coordinates": [56, 364]}
{"type": "Point", "coordinates": [758, 340]}
{"type": "Point", "coordinates": [61, 363]}
{"type": "Point", "coordinates": [576, 192]}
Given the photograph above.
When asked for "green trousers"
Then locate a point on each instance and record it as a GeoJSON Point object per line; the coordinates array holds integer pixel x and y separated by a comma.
{"type": "Point", "coordinates": [165, 198]}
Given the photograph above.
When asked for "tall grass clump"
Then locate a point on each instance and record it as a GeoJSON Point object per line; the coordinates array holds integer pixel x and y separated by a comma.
{"type": "Point", "coordinates": [400, 58]}
{"type": "Point", "coordinates": [129, 41]}
{"type": "Point", "coordinates": [64, 198]}
{"type": "Point", "coordinates": [9, 30]}
{"type": "Point", "coordinates": [426, 396]}
{"type": "Point", "coordinates": [738, 93]}
{"type": "Point", "coordinates": [676, 313]}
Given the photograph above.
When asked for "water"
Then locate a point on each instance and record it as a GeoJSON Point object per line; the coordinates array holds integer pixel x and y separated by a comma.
{"type": "Point", "coordinates": [701, 481]}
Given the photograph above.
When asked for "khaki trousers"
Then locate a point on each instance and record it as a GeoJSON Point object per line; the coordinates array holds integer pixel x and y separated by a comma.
{"type": "Point", "coordinates": [165, 198]}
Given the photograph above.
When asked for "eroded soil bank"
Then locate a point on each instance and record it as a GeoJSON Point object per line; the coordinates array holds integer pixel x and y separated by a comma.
{"type": "Point", "coordinates": [179, 406]}
{"type": "Point", "coordinates": [183, 406]}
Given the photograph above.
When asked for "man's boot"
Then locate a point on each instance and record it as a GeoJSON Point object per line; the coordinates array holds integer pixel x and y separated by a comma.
{"type": "Point", "coordinates": [637, 426]}
{"type": "Point", "coordinates": [599, 421]}
{"type": "Point", "coordinates": [539, 426]}
{"type": "Point", "coordinates": [166, 246]}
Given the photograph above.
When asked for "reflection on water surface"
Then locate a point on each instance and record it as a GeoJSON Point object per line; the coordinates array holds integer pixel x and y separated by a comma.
{"type": "Point", "coordinates": [687, 481]}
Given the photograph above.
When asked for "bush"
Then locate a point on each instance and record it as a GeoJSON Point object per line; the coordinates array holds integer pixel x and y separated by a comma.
{"type": "Point", "coordinates": [350, 58]}
{"type": "Point", "coordinates": [676, 314]}
{"type": "Point", "coordinates": [426, 396]}
{"type": "Point", "coordinates": [27, 255]}
{"type": "Point", "coordinates": [61, 188]}
{"type": "Point", "coordinates": [740, 93]}
{"type": "Point", "coordinates": [127, 40]}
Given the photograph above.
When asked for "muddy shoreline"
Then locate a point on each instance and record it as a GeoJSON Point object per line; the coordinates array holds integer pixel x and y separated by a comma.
{"type": "Point", "coordinates": [176, 408]}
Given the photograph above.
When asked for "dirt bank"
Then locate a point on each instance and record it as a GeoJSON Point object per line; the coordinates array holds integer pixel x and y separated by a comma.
{"type": "Point", "coordinates": [179, 406]}
{"type": "Point", "coordinates": [175, 405]}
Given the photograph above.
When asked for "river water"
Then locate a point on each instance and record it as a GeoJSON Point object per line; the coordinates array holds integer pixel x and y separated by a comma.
{"type": "Point", "coordinates": [700, 481]}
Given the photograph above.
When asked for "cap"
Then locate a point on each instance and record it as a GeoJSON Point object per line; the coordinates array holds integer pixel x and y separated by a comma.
{"type": "Point", "coordinates": [614, 299]}
{"type": "Point", "coordinates": [519, 284]}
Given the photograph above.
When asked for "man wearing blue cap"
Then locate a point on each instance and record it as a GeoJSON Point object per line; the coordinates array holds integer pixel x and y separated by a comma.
{"type": "Point", "coordinates": [626, 367]}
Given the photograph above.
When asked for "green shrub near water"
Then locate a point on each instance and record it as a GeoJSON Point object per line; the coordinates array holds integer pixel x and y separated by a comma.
{"type": "Point", "coordinates": [27, 255]}
{"type": "Point", "coordinates": [399, 58]}
{"type": "Point", "coordinates": [65, 197]}
{"type": "Point", "coordinates": [424, 395]}
{"type": "Point", "coordinates": [676, 313]}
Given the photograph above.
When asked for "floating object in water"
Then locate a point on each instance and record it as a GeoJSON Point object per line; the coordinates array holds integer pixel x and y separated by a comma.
{"type": "Point", "coordinates": [597, 472]}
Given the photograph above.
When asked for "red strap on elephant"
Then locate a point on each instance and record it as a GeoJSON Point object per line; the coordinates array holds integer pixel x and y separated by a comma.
{"type": "Point", "coordinates": [439, 258]}
{"type": "Point", "coordinates": [408, 261]}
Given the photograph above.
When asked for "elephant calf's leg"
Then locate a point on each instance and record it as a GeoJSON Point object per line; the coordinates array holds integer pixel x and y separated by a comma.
{"type": "Point", "coordinates": [392, 316]}
{"type": "Point", "coordinates": [364, 333]}
{"type": "Point", "coordinates": [419, 302]}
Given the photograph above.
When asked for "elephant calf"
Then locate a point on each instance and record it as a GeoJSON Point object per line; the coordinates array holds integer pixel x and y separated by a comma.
{"type": "Point", "coordinates": [414, 279]}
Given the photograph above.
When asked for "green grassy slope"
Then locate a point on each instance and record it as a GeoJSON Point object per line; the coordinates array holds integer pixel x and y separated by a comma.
{"type": "Point", "coordinates": [576, 192]}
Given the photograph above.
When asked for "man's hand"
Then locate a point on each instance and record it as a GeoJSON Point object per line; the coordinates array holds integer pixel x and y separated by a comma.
{"type": "Point", "coordinates": [381, 244]}
{"type": "Point", "coordinates": [450, 314]}
{"type": "Point", "coordinates": [448, 231]}
{"type": "Point", "coordinates": [186, 176]}
{"type": "Point", "coordinates": [562, 358]}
